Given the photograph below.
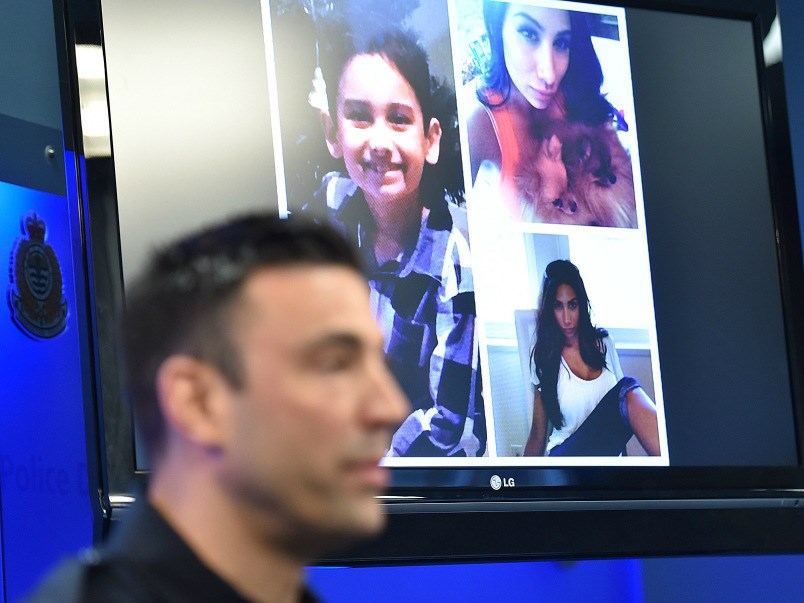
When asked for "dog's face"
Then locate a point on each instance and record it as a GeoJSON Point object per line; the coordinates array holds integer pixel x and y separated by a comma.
{"type": "Point", "coordinates": [576, 174]}
{"type": "Point", "coordinates": [588, 163]}
{"type": "Point", "coordinates": [600, 181]}
{"type": "Point", "coordinates": [542, 176]}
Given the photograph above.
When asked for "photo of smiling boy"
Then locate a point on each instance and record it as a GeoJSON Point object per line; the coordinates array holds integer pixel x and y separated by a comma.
{"type": "Point", "coordinates": [369, 142]}
{"type": "Point", "coordinates": [381, 121]}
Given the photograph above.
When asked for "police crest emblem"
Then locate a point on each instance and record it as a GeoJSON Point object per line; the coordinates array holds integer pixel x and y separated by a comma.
{"type": "Point", "coordinates": [35, 293]}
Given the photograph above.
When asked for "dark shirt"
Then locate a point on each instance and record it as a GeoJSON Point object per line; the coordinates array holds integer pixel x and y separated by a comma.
{"type": "Point", "coordinates": [144, 561]}
{"type": "Point", "coordinates": [424, 302]}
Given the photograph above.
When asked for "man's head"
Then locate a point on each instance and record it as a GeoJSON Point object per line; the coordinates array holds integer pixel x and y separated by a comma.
{"type": "Point", "coordinates": [251, 348]}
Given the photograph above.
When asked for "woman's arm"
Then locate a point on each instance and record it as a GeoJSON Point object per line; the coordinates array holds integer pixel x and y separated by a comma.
{"type": "Point", "coordinates": [612, 358]}
{"type": "Point", "coordinates": [538, 428]}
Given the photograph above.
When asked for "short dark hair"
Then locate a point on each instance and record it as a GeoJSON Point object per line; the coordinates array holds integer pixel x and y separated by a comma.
{"type": "Point", "coordinates": [183, 301]}
{"type": "Point", "coordinates": [398, 47]}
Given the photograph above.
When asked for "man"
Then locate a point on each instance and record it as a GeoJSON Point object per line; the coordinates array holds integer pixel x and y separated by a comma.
{"type": "Point", "coordinates": [258, 380]}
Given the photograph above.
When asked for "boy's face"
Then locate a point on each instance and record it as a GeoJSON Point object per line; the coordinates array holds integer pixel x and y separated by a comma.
{"type": "Point", "coordinates": [380, 132]}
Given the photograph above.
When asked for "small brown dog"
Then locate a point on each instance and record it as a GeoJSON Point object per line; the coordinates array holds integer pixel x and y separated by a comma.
{"type": "Point", "coordinates": [597, 184]}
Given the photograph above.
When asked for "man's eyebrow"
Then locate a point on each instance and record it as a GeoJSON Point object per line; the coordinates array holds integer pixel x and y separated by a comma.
{"type": "Point", "coordinates": [336, 340]}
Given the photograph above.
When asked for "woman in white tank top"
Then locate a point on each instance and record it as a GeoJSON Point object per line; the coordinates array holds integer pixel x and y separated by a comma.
{"type": "Point", "coordinates": [581, 396]}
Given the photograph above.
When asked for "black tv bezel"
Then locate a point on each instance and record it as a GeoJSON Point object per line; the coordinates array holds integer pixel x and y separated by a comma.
{"type": "Point", "coordinates": [608, 511]}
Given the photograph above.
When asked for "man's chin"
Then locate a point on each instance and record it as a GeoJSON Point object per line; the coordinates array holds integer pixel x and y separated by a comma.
{"type": "Point", "coordinates": [364, 524]}
{"type": "Point", "coordinates": [359, 521]}
{"type": "Point", "coordinates": [367, 520]}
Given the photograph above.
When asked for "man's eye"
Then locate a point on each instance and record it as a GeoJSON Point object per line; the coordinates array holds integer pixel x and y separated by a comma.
{"type": "Point", "coordinates": [332, 363]}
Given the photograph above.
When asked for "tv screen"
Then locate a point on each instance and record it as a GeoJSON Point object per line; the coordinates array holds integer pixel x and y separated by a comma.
{"type": "Point", "coordinates": [575, 219]}
{"type": "Point", "coordinates": [625, 145]}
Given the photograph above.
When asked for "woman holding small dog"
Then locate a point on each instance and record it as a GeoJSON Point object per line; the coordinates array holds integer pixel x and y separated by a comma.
{"type": "Point", "coordinates": [542, 69]}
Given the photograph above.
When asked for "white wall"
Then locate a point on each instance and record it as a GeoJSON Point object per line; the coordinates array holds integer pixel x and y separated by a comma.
{"type": "Point", "coordinates": [191, 132]}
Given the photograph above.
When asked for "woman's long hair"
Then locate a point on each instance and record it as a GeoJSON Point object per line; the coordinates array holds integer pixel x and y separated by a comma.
{"type": "Point", "coordinates": [580, 85]}
{"type": "Point", "coordinates": [546, 355]}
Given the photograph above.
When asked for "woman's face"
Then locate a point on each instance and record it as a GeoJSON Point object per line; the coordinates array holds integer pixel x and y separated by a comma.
{"type": "Point", "coordinates": [380, 131]}
{"type": "Point", "coordinates": [536, 45]}
{"type": "Point", "coordinates": [566, 311]}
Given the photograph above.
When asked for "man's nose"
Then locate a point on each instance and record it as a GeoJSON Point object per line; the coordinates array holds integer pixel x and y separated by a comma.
{"type": "Point", "coordinates": [386, 404]}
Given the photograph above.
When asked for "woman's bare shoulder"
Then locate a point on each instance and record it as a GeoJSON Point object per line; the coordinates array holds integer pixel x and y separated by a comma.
{"type": "Point", "coordinates": [479, 120]}
{"type": "Point", "coordinates": [481, 136]}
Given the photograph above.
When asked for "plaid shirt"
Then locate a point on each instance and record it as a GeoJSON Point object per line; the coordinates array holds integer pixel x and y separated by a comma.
{"type": "Point", "coordinates": [425, 304]}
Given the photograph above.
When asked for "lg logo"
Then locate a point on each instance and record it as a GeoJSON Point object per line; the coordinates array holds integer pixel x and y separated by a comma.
{"type": "Point", "coordinates": [496, 482]}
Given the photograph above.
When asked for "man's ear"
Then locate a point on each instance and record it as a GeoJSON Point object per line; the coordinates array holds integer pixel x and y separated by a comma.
{"type": "Point", "coordinates": [192, 397]}
{"type": "Point", "coordinates": [331, 135]}
{"type": "Point", "coordinates": [433, 140]}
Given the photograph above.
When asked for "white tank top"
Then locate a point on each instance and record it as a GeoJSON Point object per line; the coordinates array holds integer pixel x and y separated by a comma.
{"type": "Point", "coordinates": [577, 398]}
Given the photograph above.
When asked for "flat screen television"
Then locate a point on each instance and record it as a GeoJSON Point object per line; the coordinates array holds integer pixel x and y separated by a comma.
{"type": "Point", "coordinates": [673, 195]}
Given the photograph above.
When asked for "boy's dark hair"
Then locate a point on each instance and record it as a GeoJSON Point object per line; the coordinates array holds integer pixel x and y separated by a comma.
{"type": "Point", "coordinates": [184, 300]}
{"type": "Point", "coordinates": [398, 47]}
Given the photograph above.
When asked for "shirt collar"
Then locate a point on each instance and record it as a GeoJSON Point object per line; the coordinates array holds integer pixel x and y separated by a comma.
{"type": "Point", "coordinates": [425, 257]}
{"type": "Point", "coordinates": [148, 542]}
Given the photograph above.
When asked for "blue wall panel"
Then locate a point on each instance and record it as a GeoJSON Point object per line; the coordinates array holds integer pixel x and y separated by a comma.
{"type": "Point", "coordinates": [2, 558]}
{"type": "Point", "coordinates": [46, 510]}
{"type": "Point", "coordinates": [615, 581]}
{"type": "Point", "coordinates": [772, 579]}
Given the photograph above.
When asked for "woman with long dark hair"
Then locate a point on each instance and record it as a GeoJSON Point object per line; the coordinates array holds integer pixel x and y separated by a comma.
{"type": "Point", "coordinates": [542, 68]}
{"type": "Point", "coordinates": [581, 393]}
